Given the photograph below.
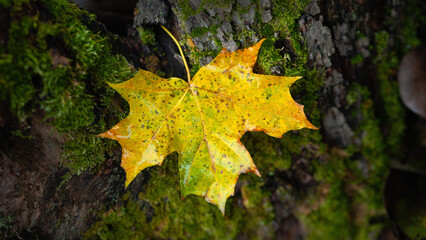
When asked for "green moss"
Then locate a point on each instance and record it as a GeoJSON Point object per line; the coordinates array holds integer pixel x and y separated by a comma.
{"type": "Point", "coordinates": [381, 43]}
{"type": "Point", "coordinates": [269, 154]}
{"type": "Point", "coordinates": [6, 222]}
{"type": "Point", "coordinates": [81, 147]}
{"type": "Point", "coordinates": [197, 32]}
{"type": "Point", "coordinates": [354, 197]}
{"type": "Point", "coordinates": [5, 3]}
{"type": "Point", "coordinates": [372, 148]}
{"type": "Point", "coordinates": [195, 57]}
{"type": "Point", "coordinates": [393, 118]}
{"type": "Point", "coordinates": [381, 131]}
{"type": "Point", "coordinates": [411, 216]}
{"type": "Point", "coordinates": [269, 56]}
{"type": "Point", "coordinates": [67, 83]}
{"type": "Point", "coordinates": [17, 4]}
{"type": "Point", "coordinates": [331, 220]}
{"type": "Point", "coordinates": [411, 21]}
{"type": "Point", "coordinates": [6, 226]}
{"type": "Point", "coordinates": [266, 30]}
{"type": "Point", "coordinates": [176, 218]}
{"type": "Point", "coordinates": [306, 91]}
{"type": "Point", "coordinates": [357, 59]}
{"type": "Point", "coordinates": [387, 62]}
{"type": "Point", "coordinates": [124, 220]}
{"type": "Point", "coordinates": [394, 110]}
{"type": "Point", "coordinates": [219, 3]}
{"type": "Point", "coordinates": [186, 10]}
{"type": "Point", "coordinates": [146, 35]}
{"type": "Point", "coordinates": [284, 23]}
{"type": "Point", "coordinates": [285, 13]}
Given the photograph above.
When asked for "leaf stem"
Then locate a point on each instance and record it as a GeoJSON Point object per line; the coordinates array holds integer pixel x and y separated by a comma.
{"type": "Point", "coordinates": [181, 52]}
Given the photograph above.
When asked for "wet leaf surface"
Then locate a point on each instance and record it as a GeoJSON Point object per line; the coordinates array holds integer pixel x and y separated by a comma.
{"type": "Point", "coordinates": [203, 121]}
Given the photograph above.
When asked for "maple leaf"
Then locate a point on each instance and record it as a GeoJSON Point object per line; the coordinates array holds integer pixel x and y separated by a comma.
{"type": "Point", "coordinates": [203, 120]}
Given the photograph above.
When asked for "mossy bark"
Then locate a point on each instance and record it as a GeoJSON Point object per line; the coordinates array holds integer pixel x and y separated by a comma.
{"type": "Point", "coordinates": [60, 181]}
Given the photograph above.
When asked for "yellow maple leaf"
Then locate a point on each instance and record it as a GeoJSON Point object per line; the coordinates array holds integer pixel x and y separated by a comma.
{"type": "Point", "coordinates": [203, 120]}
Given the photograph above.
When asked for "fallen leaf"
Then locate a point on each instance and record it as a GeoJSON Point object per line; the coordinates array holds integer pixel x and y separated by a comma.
{"type": "Point", "coordinates": [203, 121]}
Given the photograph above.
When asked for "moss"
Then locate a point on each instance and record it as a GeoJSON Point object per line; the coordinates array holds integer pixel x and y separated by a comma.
{"type": "Point", "coordinates": [61, 67]}
{"type": "Point", "coordinates": [5, 3]}
{"type": "Point", "coordinates": [16, 5]}
{"type": "Point", "coordinates": [219, 3]}
{"type": "Point", "coordinates": [81, 152]}
{"type": "Point", "coordinates": [284, 23]}
{"type": "Point", "coordinates": [6, 226]}
{"type": "Point", "coordinates": [377, 144]}
{"type": "Point", "coordinates": [285, 12]}
{"type": "Point", "coordinates": [372, 147]}
{"type": "Point", "coordinates": [381, 131]}
{"type": "Point", "coordinates": [266, 30]}
{"type": "Point", "coordinates": [381, 43]}
{"type": "Point", "coordinates": [269, 154]}
{"type": "Point", "coordinates": [186, 9]}
{"type": "Point", "coordinates": [387, 62]}
{"type": "Point", "coordinates": [357, 59]}
{"type": "Point", "coordinates": [146, 35]}
{"type": "Point", "coordinates": [354, 196]}
{"type": "Point", "coordinates": [411, 21]}
{"type": "Point", "coordinates": [197, 32]}
{"type": "Point", "coordinates": [195, 57]}
{"type": "Point", "coordinates": [159, 212]}
{"type": "Point", "coordinates": [393, 118]}
{"type": "Point", "coordinates": [306, 91]}
{"type": "Point", "coordinates": [5, 222]}
{"type": "Point", "coordinates": [411, 217]}
{"type": "Point", "coordinates": [124, 220]}
{"type": "Point", "coordinates": [331, 219]}
{"type": "Point", "coordinates": [269, 56]}
{"type": "Point", "coordinates": [394, 127]}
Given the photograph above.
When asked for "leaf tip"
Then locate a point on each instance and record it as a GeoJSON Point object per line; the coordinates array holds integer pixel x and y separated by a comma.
{"type": "Point", "coordinates": [252, 169]}
{"type": "Point", "coordinates": [126, 184]}
{"type": "Point", "coordinates": [292, 80]}
{"type": "Point", "coordinates": [222, 209]}
{"type": "Point", "coordinates": [103, 135]}
{"type": "Point", "coordinates": [257, 46]}
{"type": "Point", "coordinates": [260, 42]}
{"type": "Point", "coordinates": [219, 202]}
{"type": "Point", "coordinates": [311, 126]}
{"type": "Point", "coordinates": [221, 206]}
{"type": "Point", "coordinates": [256, 171]}
{"type": "Point", "coordinates": [308, 124]}
{"type": "Point", "coordinates": [110, 84]}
